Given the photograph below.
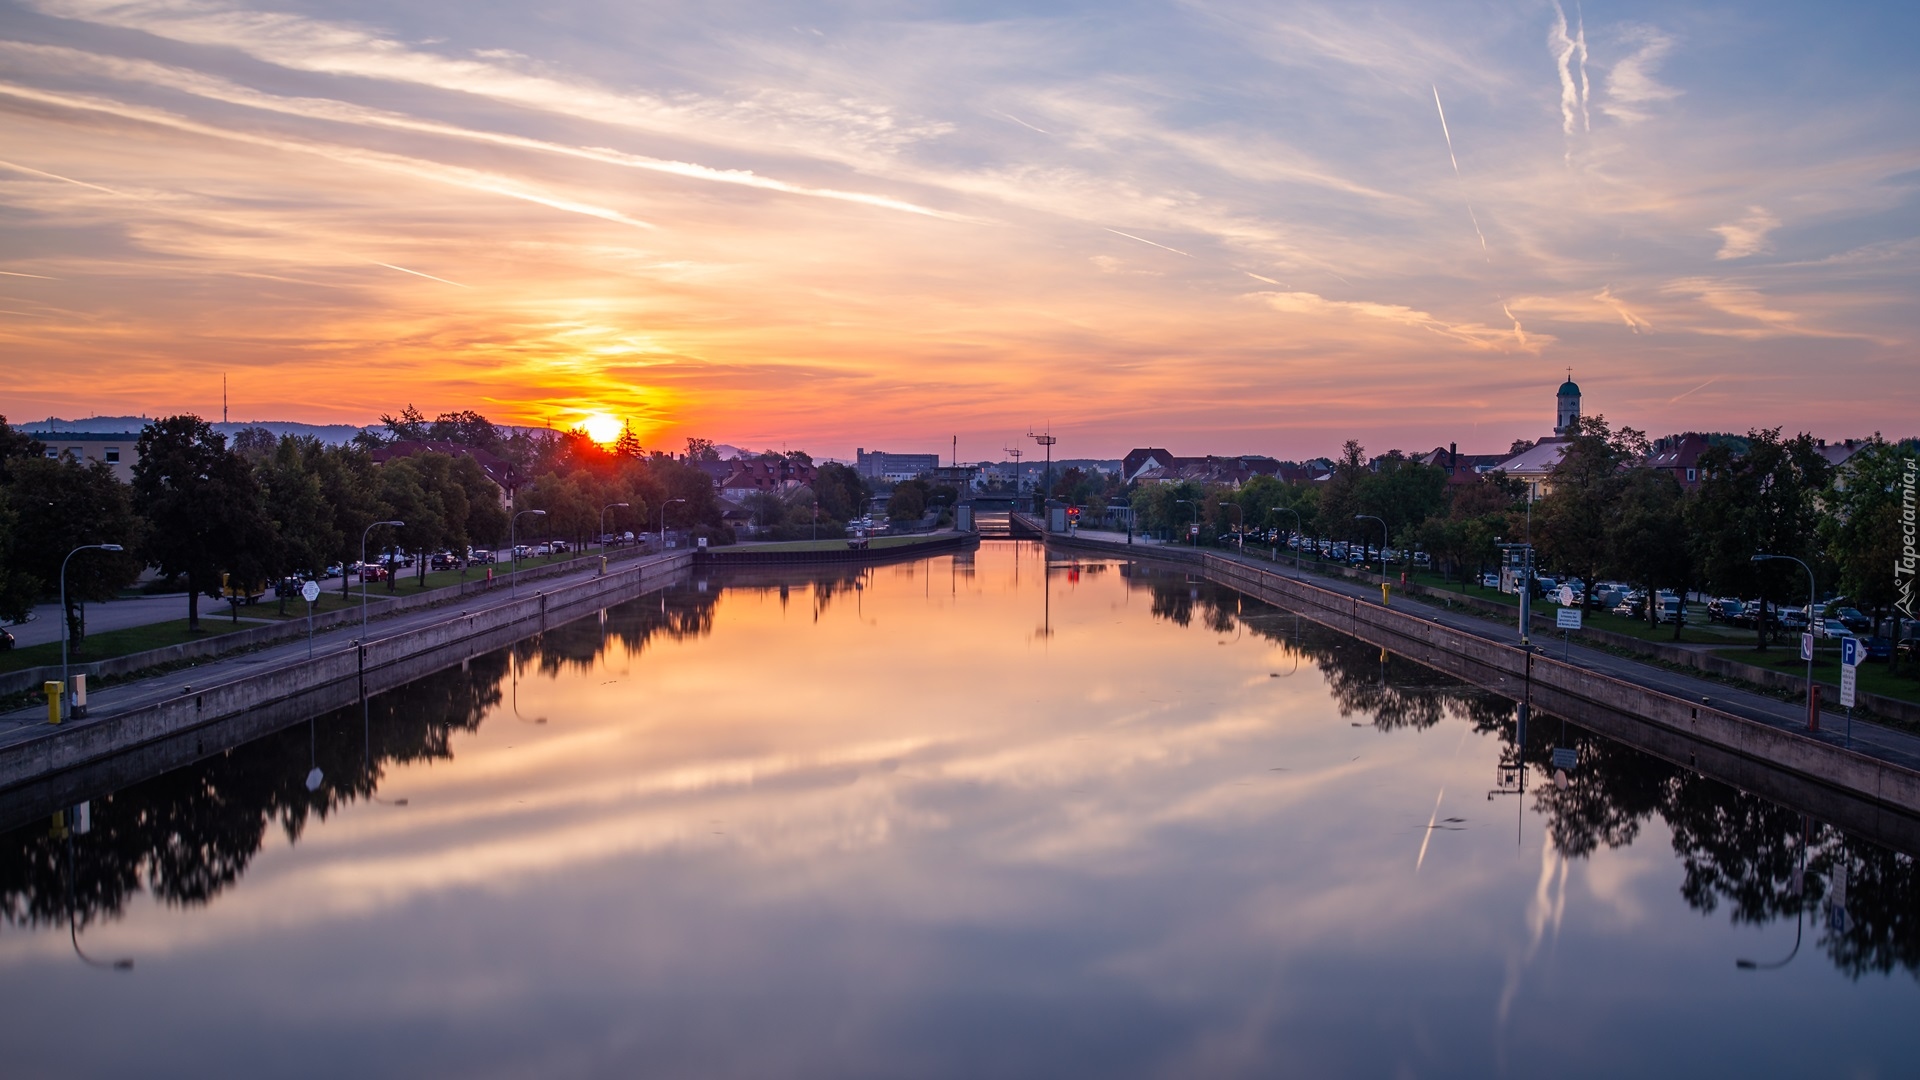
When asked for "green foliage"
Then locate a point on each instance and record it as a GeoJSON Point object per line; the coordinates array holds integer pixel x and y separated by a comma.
{"type": "Point", "coordinates": [1766, 500]}
{"type": "Point", "coordinates": [909, 500]}
{"type": "Point", "coordinates": [1861, 531]}
{"type": "Point", "coordinates": [202, 506]}
{"type": "Point", "coordinates": [60, 504]}
{"type": "Point", "coordinates": [1570, 524]}
{"type": "Point", "coordinates": [1645, 535]}
{"type": "Point", "coordinates": [841, 491]}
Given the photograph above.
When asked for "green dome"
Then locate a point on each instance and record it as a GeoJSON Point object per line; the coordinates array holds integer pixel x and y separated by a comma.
{"type": "Point", "coordinates": [1569, 387]}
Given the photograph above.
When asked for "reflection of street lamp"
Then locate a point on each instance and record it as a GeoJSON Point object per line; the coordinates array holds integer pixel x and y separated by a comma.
{"type": "Point", "coordinates": [1299, 537]}
{"type": "Point", "coordinates": [1813, 596]}
{"type": "Point", "coordinates": [363, 571]}
{"type": "Point", "coordinates": [514, 666]}
{"type": "Point", "coordinates": [603, 524]}
{"type": "Point", "coordinates": [66, 624]}
{"type": "Point", "coordinates": [1383, 541]}
{"type": "Point", "coordinates": [73, 922]}
{"type": "Point", "coordinates": [1799, 915]}
{"type": "Point", "coordinates": [1243, 523]}
{"type": "Point", "coordinates": [513, 550]}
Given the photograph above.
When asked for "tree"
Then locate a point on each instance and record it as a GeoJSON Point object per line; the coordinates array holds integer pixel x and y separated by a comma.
{"type": "Point", "coordinates": [410, 424]}
{"type": "Point", "coordinates": [201, 506]}
{"type": "Point", "coordinates": [1861, 530]}
{"type": "Point", "coordinates": [62, 504]}
{"type": "Point", "coordinates": [909, 500]}
{"type": "Point", "coordinates": [486, 515]}
{"type": "Point", "coordinates": [1647, 536]}
{"type": "Point", "coordinates": [702, 450]}
{"type": "Point", "coordinates": [1571, 522]}
{"type": "Point", "coordinates": [468, 428]}
{"type": "Point", "coordinates": [18, 588]}
{"type": "Point", "coordinates": [1768, 500]}
{"type": "Point", "coordinates": [841, 490]}
{"type": "Point", "coordinates": [297, 504]}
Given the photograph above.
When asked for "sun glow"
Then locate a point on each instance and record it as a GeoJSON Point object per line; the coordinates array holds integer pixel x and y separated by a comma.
{"type": "Point", "coordinates": [602, 428]}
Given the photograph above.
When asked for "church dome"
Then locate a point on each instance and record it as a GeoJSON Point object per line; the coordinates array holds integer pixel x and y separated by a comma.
{"type": "Point", "coordinates": [1569, 389]}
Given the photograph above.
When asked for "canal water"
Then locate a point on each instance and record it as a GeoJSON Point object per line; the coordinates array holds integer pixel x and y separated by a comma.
{"type": "Point", "coordinates": [995, 814]}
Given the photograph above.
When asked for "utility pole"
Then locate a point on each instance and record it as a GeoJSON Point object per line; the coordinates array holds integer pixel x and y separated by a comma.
{"type": "Point", "coordinates": [1016, 455]}
{"type": "Point", "coordinates": [1047, 440]}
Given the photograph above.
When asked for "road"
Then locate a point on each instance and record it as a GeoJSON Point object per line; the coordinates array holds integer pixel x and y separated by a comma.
{"type": "Point", "coordinates": [108, 701]}
{"type": "Point", "coordinates": [1885, 743]}
{"type": "Point", "coordinates": [112, 615]}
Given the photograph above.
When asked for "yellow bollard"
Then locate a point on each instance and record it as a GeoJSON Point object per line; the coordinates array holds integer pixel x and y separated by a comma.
{"type": "Point", "coordinates": [603, 566]}
{"type": "Point", "coordinates": [1386, 593]}
{"type": "Point", "coordinates": [52, 690]}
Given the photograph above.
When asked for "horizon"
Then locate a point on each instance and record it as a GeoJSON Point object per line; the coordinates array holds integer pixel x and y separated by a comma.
{"type": "Point", "coordinates": [1242, 230]}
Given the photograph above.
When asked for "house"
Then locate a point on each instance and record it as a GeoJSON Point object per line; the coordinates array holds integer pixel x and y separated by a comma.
{"type": "Point", "coordinates": [751, 477]}
{"type": "Point", "coordinates": [1534, 467]}
{"type": "Point", "coordinates": [1157, 465]}
{"type": "Point", "coordinates": [1679, 456]}
{"type": "Point", "coordinates": [1461, 468]}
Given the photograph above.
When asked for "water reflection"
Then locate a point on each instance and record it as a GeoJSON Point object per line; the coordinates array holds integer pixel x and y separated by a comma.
{"type": "Point", "coordinates": [983, 761]}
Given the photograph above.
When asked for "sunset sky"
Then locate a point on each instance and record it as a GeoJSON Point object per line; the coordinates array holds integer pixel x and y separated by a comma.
{"type": "Point", "coordinates": [1217, 226]}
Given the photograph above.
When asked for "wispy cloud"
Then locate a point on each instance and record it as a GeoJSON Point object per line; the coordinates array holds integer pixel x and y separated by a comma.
{"type": "Point", "coordinates": [1748, 236]}
{"type": "Point", "coordinates": [1632, 90]}
{"type": "Point", "coordinates": [1570, 57]}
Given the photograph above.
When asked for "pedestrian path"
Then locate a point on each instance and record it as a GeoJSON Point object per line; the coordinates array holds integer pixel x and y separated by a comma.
{"type": "Point", "coordinates": [22, 724]}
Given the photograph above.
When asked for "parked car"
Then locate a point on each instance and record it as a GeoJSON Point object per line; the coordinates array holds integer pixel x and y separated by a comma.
{"type": "Point", "coordinates": [1792, 619]}
{"type": "Point", "coordinates": [1723, 609]}
{"type": "Point", "coordinates": [561, 547]}
{"type": "Point", "coordinates": [1423, 560]}
{"type": "Point", "coordinates": [541, 549]}
{"type": "Point", "coordinates": [1855, 619]}
{"type": "Point", "coordinates": [1878, 648]}
{"type": "Point", "coordinates": [1670, 609]}
{"type": "Point", "coordinates": [445, 560]}
{"type": "Point", "coordinates": [1907, 648]}
{"type": "Point", "coordinates": [1489, 581]}
{"type": "Point", "coordinates": [373, 572]}
{"type": "Point", "coordinates": [1831, 628]}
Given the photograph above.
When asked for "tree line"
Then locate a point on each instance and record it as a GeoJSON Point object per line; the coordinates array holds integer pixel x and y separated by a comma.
{"type": "Point", "coordinates": [1603, 515]}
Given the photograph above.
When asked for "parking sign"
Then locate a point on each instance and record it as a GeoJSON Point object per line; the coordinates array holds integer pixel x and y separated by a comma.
{"type": "Point", "coordinates": [1851, 654]}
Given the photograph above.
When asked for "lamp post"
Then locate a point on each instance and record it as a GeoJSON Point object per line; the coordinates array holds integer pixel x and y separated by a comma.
{"type": "Point", "coordinates": [1299, 529]}
{"type": "Point", "coordinates": [603, 524]}
{"type": "Point", "coordinates": [1196, 512]}
{"type": "Point", "coordinates": [363, 570]}
{"type": "Point", "coordinates": [1242, 534]}
{"type": "Point", "coordinates": [66, 624]}
{"type": "Point", "coordinates": [1813, 597]}
{"type": "Point", "coordinates": [513, 550]}
{"type": "Point", "coordinates": [663, 519]}
{"type": "Point", "coordinates": [1383, 542]}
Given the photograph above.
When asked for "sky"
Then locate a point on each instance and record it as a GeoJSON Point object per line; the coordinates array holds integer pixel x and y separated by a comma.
{"type": "Point", "coordinates": [1219, 226]}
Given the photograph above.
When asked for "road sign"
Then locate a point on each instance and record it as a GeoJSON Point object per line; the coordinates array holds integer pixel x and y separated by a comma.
{"type": "Point", "coordinates": [1566, 596]}
{"type": "Point", "coordinates": [1566, 757]}
{"type": "Point", "coordinates": [1851, 652]}
{"type": "Point", "coordinates": [1568, 618]}
{"type": "Point", "coordinates": [1849, 682]}
{"type": "Point", "coordinates": [1806, 646]}
{"type": "Point", "coordinates": [310, 591]}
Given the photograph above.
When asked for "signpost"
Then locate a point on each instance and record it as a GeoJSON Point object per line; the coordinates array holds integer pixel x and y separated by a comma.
{"type": "Point", "coordinates": [1567, 619]}
{"type": "Point", "coordinates": [1806, 646]}
{"type": "Point", "coordinates": [310, 592]}
{"type": "Point", "coordinates": [1852, 654]}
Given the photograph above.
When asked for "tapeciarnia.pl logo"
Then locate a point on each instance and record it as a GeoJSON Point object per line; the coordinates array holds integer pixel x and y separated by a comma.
{"type": "Point", "coordinates": [1903, 567]}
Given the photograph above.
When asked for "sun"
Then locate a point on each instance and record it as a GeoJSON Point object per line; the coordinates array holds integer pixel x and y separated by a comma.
{"type": "Point", "coordinates": [602, 428]}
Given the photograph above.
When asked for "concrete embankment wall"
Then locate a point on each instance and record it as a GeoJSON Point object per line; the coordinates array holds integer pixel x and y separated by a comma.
{"type": "Point", "coordinates": [1678, 655]}
{"type": "Point", "coordinates": [1422, 639]}
{"type": "Point", "coordinates": [732, 556]}
{"type": "Point", "coordinates": [29, 680]}
{"type": "Point", "coordinates": [294, 690]}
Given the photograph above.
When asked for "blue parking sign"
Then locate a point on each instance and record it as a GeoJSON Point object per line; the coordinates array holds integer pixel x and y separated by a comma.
{"type": "Point", "coordinates": [1851, 654]}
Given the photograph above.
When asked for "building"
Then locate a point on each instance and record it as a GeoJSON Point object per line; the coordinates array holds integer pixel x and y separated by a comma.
{"type": "Point", "coordinates": [1462, 468]}
{"type": "Point", "coordinates": [1679, 456]}
{"type": "Point", "coordinates": [1567, 398]}
{"type": "Point", "coordinates": [1153, 464]}
{"type": "Point", "coordinates": [120, 450]}
{"type": "Point", "coordinates": [763, 475]}
{"type": "Point", "coordinates": [892, 468]}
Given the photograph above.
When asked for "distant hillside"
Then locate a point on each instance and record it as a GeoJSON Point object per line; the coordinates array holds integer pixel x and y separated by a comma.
{"type": "Point", "coordinates": [332, 434]}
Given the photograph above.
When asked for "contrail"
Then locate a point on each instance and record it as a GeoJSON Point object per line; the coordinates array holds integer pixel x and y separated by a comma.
{"type": "Point", "coordinates": [1702, 386]}
{"type": "Point", "coordinates": [57, 176]}
{"type": "Point", "coordinates": [1144, 240]}
{"type": "Point", "coordinates": [1261, 277]}
{"type": "Point", "coordinates": [1022, 123]}
{"type": "Point", "coordinates": [417, 273]}
{"type": "Point", "coordinates": [1471, 216]}
{"type": "Point", "coordinates": [42, 277]}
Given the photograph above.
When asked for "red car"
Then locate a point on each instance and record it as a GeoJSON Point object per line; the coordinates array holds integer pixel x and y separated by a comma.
{"type": "Point", "coordinates": [373, 572]}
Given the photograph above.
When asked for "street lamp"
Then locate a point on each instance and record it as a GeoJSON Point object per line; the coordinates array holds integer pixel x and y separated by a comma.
{"type": "Point", "coordinates": [663, 519]}
{"type": "Point", "coordinates": [66, 624]}
{"type": "Point", "coordinates": [1196, 514]}
{"type": "Point", "coordinates": [363, 570]}
{"type": "Point", "coordinates": [1243, 524]}
{"type": "Point", "coordinates": [1299, 529]}
{"type": "Point", "coordinates": [513, 550]}
{"type": "Point", "coordinates": [1813, 596]}
{"type": "Point", "coordinates": [603, 524]}
{"type": "Point", "coordinates": [1383, 541]}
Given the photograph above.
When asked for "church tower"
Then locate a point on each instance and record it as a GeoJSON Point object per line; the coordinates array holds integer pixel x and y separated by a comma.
{"type": "Point", "coordinates": [1569, 402]}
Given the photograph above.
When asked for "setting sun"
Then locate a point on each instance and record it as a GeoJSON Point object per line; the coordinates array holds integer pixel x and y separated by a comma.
{"type": "Point", "coordinates": [601, 428]}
